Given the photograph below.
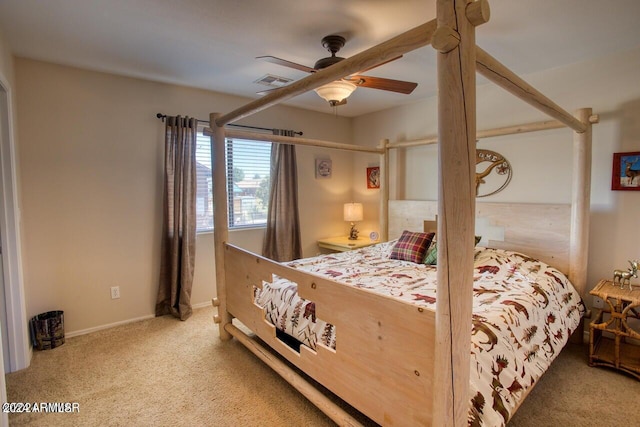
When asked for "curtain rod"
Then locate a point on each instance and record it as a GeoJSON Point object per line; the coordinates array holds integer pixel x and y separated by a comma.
{"type": "Point", "coordinates": [163, 116]}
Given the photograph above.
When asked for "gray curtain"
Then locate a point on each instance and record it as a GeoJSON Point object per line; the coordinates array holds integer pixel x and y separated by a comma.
{"type": "Point", "coordinates": [179, 219]}
{"type": "Point", "coordinates": [282, 237]}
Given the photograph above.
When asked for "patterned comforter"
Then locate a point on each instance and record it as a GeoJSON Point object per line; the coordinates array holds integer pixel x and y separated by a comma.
{"type": "Point", "coordinates": [523, 314]}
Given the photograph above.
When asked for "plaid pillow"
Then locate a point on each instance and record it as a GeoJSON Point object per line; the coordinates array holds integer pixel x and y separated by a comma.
{"type": "Point", "coordinates": [411, 246]}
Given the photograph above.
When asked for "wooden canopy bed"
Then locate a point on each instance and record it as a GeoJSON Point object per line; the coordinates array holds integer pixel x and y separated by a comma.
{"type": "Point", "coordinates": [396, 362]}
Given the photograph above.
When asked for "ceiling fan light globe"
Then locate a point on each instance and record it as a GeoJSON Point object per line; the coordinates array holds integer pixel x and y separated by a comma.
{"type": "Point", "coordinates": [336, 91]}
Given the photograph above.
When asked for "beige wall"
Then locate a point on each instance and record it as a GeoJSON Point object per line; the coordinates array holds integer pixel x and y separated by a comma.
{"type": "Point", "coordinates": [541, 161]}
{"type": "Point", "coordinates": [91, 153]}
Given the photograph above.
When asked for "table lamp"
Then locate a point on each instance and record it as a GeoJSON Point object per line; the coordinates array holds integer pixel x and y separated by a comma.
{"type": "Point", "coordinates": [352, 213]}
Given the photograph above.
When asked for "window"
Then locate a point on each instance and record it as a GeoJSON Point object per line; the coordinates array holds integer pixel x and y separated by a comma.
{"type": "Point", "coordinates": [248, 173]}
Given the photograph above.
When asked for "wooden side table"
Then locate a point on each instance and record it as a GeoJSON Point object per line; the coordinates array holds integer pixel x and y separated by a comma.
{"type": "Point", "coordinates": [343, 244]}
{"type": "Point", "coordinates": [609, 331]}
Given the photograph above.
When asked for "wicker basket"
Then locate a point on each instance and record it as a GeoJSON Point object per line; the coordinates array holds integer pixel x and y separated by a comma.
{"type": "Point", "coordinates": [47, 330]}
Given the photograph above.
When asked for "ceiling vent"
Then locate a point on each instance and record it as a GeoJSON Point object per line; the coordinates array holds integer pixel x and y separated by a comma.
{"type": "Point", "coordinates": [273, 81]}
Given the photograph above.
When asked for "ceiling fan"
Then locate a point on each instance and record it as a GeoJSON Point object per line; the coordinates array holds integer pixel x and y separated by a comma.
{"type": "Point", "coordinates": [337, 92]}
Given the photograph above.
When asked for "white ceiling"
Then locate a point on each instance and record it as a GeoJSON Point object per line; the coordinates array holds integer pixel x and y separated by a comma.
{"type": "Point", "coordinates": [212, 44]}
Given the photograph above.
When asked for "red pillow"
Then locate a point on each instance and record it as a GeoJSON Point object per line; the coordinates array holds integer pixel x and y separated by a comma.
{"type": "Point", "coordinates": [411, 246]}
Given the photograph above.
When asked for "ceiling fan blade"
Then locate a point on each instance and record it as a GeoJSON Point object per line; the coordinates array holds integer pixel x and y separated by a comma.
{"type": "Point", "coordinates": [383, 84]}
{"type": "Point", "coordinates": [286, 63]}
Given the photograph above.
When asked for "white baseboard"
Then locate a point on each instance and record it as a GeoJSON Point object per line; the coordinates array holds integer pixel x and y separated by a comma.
{"type": "Point", "coordinates": [201, 305]}
{"type": "Point", "coordinates": [107, 326]}
{"type": "Point", "coordinates": [124, 322]}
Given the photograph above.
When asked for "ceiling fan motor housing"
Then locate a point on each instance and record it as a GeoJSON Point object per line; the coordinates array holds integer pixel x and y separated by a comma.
{"type": "Point", "coordinates": [333, 44]}
{"type": "Point", "coordinates": [325, 62]}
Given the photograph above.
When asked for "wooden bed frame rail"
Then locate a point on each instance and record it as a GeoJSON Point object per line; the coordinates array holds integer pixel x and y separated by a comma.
{"type": "Point", "coordinates": [447, 335]}
{"type": "Point", "coordinates": [377, 356]}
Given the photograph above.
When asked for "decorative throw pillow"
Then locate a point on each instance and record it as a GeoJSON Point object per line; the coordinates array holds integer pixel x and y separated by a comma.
{"type": "Point", "coordinates": [411, 246]}
{"type": "Point", "coordinates": [431, 257]}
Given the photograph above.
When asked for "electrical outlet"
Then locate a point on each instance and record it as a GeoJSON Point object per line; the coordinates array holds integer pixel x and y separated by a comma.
{"type": "Point", "coordinates": [598, 303]}
{"type": "Point", "coordinates": [115, 292]}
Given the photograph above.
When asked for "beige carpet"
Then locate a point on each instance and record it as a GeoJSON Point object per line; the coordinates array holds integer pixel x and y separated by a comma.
{"type": "Point", "coordinates": [163, 372]}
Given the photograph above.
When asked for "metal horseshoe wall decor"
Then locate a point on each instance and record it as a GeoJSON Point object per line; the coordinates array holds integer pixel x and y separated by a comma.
{"type": "Point", "coordinates": [493, 178]}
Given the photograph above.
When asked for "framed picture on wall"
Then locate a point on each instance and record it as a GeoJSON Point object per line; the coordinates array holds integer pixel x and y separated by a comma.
{"type": "Point", "coordinates": [323, 168]}
{"type": "Point", "coordinates": [373, 177]}
{"type": "Point", "coordinates": [626, 171]}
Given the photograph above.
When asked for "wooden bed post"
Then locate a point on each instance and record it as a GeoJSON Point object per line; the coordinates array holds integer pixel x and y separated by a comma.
{"type": "Point", "coordinates": [220, 222]}
{"type": "Point", "coordinates": [454, 40]}
{"type": "Point", "coordinates": [580, 203]}
{"type": "Point", "coordinates": [384, 191]}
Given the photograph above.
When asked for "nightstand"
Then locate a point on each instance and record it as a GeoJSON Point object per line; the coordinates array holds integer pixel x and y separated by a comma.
{"type": "Point", "coordinates": [609, 331]}
{"type": "Point", "coordinates": [343, 244]}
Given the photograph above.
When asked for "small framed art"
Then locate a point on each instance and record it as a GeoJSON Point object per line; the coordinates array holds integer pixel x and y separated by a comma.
{"type": "Point", "coordinates": [373, 177]}
{"type": "Point", "coordinates": [323, 168]}
{"type": "Point", "coordinates": [626, 171]}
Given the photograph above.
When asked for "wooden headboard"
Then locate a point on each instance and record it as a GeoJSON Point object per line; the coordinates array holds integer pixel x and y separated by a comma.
{"type": "Point", "coordinates": [539, 230]}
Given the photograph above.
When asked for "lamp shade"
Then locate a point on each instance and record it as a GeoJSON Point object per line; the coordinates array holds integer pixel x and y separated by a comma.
{"type": "Point", "coordinates": [353, 212]}
{"type": "Point", "coordinates": [336, 91]}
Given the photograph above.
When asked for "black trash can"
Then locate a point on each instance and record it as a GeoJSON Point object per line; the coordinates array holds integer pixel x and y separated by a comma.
{"type": "Point", "coordinates": [47, 330]}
